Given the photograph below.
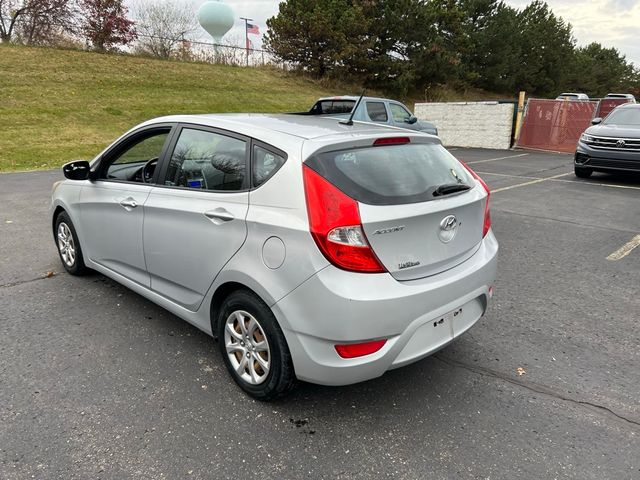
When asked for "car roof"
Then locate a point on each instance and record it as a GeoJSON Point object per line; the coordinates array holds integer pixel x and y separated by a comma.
{"type": "Point", "coordinates": [295, 134]}
{"type": "Point", "coordinates": [260, 126]}
{"type": "Point", "coordinates": [356, 97]}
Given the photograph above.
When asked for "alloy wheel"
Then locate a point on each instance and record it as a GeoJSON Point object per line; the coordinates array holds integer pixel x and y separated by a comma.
{"type": "Point", "coordinates": [247, 347]}
{"type": "Point", "coordinates": [66, 245]}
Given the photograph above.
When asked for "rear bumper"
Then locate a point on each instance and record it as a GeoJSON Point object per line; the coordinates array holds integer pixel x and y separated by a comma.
{"type": "Point", "coordinates": [606, 160]}
{"type": "Point", "coordinates": [335, 306]}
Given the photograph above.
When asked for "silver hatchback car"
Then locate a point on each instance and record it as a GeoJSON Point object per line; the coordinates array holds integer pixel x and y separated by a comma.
{"type": "Point", "coordinates": [311, 249]}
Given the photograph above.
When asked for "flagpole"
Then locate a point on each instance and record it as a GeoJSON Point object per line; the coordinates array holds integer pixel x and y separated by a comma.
{"type": "Point", "coordinates": [246, 35]}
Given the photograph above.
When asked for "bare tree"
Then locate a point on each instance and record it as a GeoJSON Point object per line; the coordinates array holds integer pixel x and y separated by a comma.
{"type": "Point", "coordinates": [163, 26]}
{"type": "Point", "coordinates": [34, 18]}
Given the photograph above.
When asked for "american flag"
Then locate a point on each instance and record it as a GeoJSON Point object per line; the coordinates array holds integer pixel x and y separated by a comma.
{"type": "Point", "coordinates": [253, 29]}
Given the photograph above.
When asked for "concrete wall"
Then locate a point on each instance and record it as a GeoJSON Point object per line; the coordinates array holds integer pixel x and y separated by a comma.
{"type": "Point", "coordinates": [470, 124]}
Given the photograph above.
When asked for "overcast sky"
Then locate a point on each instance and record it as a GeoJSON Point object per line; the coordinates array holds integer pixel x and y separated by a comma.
{"type": "Point", "coordinates": [613, 23]}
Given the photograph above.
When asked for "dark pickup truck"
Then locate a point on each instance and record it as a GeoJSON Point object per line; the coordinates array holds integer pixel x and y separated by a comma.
{"type": "Point", "coordinates": [371, 109]}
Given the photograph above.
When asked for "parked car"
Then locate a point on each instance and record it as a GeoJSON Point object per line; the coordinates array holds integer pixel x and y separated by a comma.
{"type": "Point", "coordinates": [612, 144]}
{"type": "Point", "coordinates": [626, 96]}
{"type": "Point", "coordinates": [311, 249]}
{"type": "Point", "coordinates": [576, 97]}
{"type": "Point", "coordinates": [371, 109]}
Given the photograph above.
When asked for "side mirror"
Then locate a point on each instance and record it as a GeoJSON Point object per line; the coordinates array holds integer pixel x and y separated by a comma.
{"type": "Point", "coordinates": [76, 170]}
{"type": "Point", "coordinates": [596, 121]}
{"type": "Point", "coordinates": [411, 120]}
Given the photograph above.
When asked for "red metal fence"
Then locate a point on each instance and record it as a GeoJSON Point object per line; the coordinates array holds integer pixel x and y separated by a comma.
{"type": "Point", "coordinates": [607, 104]}
{"type": "Point", "coordinates": [554, 125]}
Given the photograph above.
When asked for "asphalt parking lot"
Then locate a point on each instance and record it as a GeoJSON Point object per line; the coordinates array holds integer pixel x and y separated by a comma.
{"type": "Point", "coordinates": [97, 382]}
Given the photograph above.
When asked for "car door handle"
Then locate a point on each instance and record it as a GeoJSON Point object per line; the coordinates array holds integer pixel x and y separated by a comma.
{"type": "Point", "coordinates": [219, 215]}
{"type": "Point", "coordinates": [128, 203]}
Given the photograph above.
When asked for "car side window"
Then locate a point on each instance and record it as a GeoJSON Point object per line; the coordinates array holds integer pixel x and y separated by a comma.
{"type": "Point", "coordinates": [399, 113]}
{"type": "Point", "coordinates": [264, 164]}
{"type": "Point", "coordinates": [206, 160]}
{"type": "Point", "coordinates": [128, 165]}
{"type": "Point", "coordinates": [377, 112]}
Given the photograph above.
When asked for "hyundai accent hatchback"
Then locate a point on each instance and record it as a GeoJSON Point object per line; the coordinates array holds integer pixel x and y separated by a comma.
{"type": "Point", "coordinates": [309, 248]}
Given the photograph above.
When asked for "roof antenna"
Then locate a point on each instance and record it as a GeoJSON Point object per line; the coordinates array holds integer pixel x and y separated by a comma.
{"type": "Point", "coordinates": [353, 112]}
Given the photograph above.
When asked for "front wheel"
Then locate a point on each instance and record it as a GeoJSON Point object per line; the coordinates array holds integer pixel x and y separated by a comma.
{"type": "Point", "coordinates": [68, 245]}
{"type": "Point", "coordinates": [582, 172]}
{"type": "Point", "coordinates": [253, 347]}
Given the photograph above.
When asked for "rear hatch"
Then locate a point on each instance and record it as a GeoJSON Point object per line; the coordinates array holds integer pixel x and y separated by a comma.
{"type": "Point", "coordinates": [421, 210]}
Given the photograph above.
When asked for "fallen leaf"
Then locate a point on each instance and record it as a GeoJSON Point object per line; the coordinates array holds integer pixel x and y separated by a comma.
{"type": "Point", "coordinates": [49, 274]}
{"type": "Point", "coordinates": [520, 371]}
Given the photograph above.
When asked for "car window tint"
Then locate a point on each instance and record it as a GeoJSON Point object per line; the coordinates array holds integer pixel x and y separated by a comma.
{"type": "Point", "coordinates": [334, 106]}
{"type": "Point", "coordinates": [399, 113]}
{"type": "Point", "coordinates": [207, 161]}
{"type": "Point", "coordinates": [265, 165]}
{"type": "Point", "coordinates": [377, 112]}
{"type": "Point", "coordinates": [141, 152]}
{"type": "Point", "coordinates": [391, 175]}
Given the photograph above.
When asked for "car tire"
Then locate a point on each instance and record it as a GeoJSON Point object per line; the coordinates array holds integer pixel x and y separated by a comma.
{"type": "Point", "coordinates": [253, 347]}
{"type": "Point", "coordinates": [582, 172]}
{"type": "Point", "coordinates": [68, 245]}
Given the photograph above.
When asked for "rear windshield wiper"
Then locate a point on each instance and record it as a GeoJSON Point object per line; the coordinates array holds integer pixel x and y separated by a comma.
{"type": "Point", "coordinates": [448, 188]}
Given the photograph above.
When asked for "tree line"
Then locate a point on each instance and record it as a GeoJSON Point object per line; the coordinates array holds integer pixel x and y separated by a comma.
{"type": "Point", "coordinates": [398, 46]}
{"type": "Point", "coordinates": [409, 46]}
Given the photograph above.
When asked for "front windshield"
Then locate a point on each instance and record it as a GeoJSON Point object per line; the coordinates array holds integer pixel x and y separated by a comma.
{"type": "Point", "coordinates": [626, 116]}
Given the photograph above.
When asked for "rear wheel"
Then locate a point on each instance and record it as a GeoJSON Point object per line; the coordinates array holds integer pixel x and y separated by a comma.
{"type": "Point", "coordinates": [69, 246]}
{"type": "Point", "coordinates": [582, 172]}
{"type": "Point", "coordinates": [253, 347]}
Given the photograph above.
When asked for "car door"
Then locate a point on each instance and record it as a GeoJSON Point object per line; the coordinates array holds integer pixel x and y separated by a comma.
{"type": "Point", "coordinates": [195, 218]}
{"type": "Point", "coordinates": [112, 206]}
{"type": "Point", "coordinates": [400, 116]}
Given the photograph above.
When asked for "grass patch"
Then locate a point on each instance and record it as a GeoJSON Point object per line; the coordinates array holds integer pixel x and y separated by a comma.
{"type": "Point", "coordinates": [59, 105]}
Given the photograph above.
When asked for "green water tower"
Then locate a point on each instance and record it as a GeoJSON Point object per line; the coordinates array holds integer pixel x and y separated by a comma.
{"type": "Point", "coordinates": [216, 17]}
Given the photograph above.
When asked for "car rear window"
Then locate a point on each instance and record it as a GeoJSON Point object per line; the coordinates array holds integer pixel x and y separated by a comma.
{"type": "Point", "coordinates": [329, 107]}
{"type": "Point", "coordinates": [392, 174]}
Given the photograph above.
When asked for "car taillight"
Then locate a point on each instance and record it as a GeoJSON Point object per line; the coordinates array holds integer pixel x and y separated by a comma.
{"type": "Point", "coordinates": [335, 225]}
{"type": "Point", "coordinates": [487, 213]}
{"type": "Point", "coordinates": [353, 350]}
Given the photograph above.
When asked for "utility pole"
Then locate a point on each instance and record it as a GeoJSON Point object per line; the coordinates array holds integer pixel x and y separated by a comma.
{"type": "Point", "coordinates": [246, 35]}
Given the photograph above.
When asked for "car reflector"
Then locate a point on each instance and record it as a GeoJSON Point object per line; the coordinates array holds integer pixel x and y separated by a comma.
{"type": "Point", "coordinates": [353, 350]}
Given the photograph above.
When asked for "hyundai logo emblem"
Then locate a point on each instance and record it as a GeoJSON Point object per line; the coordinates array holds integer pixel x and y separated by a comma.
{"type": "Point", "coordinates": [621, 143]}
{"type": "Point", "coordinates": [448, 228]}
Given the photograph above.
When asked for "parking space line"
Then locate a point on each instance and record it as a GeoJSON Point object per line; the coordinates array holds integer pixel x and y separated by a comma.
{"type": "Point", "coordinates": [495, 159]}
{"type": "Point", "coordinates": [507, 175]}
{"type": "Point", "coordinates": [580, 182]}
{"type": "Point", "coordinates": [539, 180]}
{"type": "Point", "coordinates": [625, 249]}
